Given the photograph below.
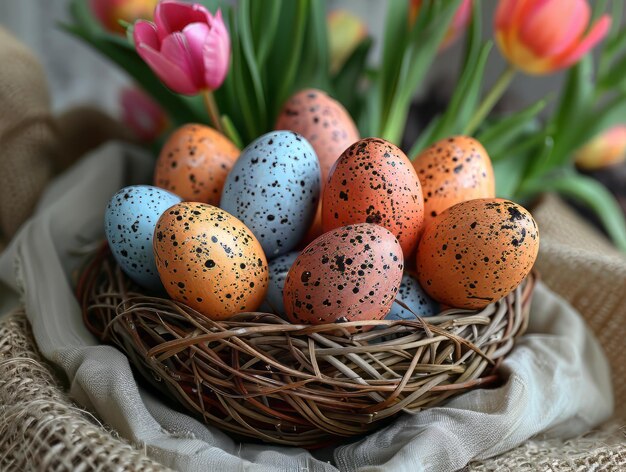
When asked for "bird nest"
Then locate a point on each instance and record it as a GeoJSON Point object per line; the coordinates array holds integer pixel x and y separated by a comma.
{"type": "Point", "coordinates": [256, 375]}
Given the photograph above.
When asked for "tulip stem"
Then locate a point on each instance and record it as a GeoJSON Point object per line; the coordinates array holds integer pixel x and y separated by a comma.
{"type": "Point", "coordinates": [214, 113]}
{"type": "Point", "coordinates": [491, 99]}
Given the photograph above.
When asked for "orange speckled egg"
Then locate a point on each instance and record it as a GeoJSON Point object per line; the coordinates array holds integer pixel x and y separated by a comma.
{"type": "Point", "coordinates": [209, 260]}
{"type": "Point", "coordinates": [374, 182]}
{"type": "Point", "coordinates": [349, 274]}
{"type": "Point", "coordinates": [194, 163]}
{"type": "Point", "coordinates": [477, 252]}
{"type": "Point", "coordinates": [451, 171]}
{"type": "Point", "coordinates": [327, 125]}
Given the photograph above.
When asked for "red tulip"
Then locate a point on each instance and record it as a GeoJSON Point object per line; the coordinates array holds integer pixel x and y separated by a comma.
{"type": "Point", "coordinates": [459, 21]}
{"type": "Point", "coordinates": [186, 47]}
{"type": "Point", "coordinates": [604, 150]}
{"type": "Point", "coordinates": [542, 36]}
{"type": "Point", "coordinates": [142, 114]}
{"type": "Point", "coordinates": [109, 12]}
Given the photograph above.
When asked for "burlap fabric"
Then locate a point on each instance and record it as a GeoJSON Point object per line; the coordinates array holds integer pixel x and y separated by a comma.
{"type": "Point", "coordinates": [34, 144]}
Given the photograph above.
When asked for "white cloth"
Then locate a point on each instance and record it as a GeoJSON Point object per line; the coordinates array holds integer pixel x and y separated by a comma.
{"type": "Point", "coordinates": [558, 379]}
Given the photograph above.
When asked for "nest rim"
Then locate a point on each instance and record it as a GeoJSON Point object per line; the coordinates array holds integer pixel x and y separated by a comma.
{"type": "Point", "coordinates": [238, 374]}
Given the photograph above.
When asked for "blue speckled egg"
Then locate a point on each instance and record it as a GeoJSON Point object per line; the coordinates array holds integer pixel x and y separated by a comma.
{"type": "Point", "coordinates": [412, 295]}
{"type": "Point", "coordinates": [129, 223]}
{"type": "Point", "coordinates": [274, 188]}
{"type": "Point", "coordinates": [278, 270]}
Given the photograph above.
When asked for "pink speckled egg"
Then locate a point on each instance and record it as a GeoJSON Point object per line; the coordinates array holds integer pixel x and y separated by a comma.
{"type": "Point", "coordinates": [451, 171]}
{"type": "Point", "coordinates": [209, 260]}
{"type": "Point", "coordinates": [194, 163]}
{"type": "Point", "coordinates": [348, 274]}
{"type": "Point", "coordinates": [476, 252]}
{"type": "Point", "coordinates": [374, 182]}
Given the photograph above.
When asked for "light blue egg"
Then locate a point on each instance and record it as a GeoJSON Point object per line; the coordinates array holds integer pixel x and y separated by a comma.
{"type": "Point", "coordinates": [413, 296]}
{"type": "Point", "coordinates": [129, 223]}
{"type": "Point", "coordinates": [274, 188]}
{"type": "Point", "coordinates": [278, 269]}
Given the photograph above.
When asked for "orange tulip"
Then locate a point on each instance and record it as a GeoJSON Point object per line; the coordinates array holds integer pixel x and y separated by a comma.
{"type": "Point", "coordinates": [606, 149]}
{"type": "Point", "coordinates": [459, 21]}
{"type": "Point", "coordinates": [345, 33]}
{"type": "Point", "coordinates": [109, 12]}
{"type": "Point", "coordinates": [543, 36]}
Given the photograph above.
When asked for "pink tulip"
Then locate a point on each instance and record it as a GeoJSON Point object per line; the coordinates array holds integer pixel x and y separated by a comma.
{"type": "Point", "coordinates": [459, 21]}
{"type": "Point", "coordinates": [187, 48]}
{"type": "Point", "coordinates": [606, 149]}
{"type": "Point", "coordinates": [109, 12]}
{"type": "Point", "coordinates": [142, 114]}
{"type": "Point", "coordinates": [542, 36]}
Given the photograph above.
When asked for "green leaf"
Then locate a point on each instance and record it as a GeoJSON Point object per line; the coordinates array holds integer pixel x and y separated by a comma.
{"type": "Point", "coordinates": [595, 196]}
{"type": "Point", "coordinates": [615, 76]}
{"type": "Point", "coordinates": [249, 69]}
{"type": "Point", "coordinates": [577, 95]}
{"type": "Point", "coordinates": [508, 175]}
{"type": "Point", "coordinates": [393, 46]}
{"type": "Point", "coordinates": [285, 56]}
{"type": "Point", "coordinates": [345, 84]}
{"type": "Point", "coordinates": [501, 135]}
{"type": "Point", "coordinates": [419, 55]}
{"type": "Point", "coordinates": [465, 98]}
{"type": "Point", "coordinates": [264, 18]}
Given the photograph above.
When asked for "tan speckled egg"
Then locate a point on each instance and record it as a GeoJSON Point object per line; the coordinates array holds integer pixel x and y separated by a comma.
{"type": "Point", "coordinates": [209, 260]}
{"type": "Point", "coordinates": [374, 182]}
{"type": "Point", "coordinates": [349, 274]}
{"type": "Point", "coordinates": [451, 171]}
{"type": "Point", "coordinates": [194, 163]}
{"type": "Point", "coordinates": [477, 252]}
{"type": "Point", "coordinates": [327, 125]}
{"type": "Point", "coordinates": [324, 122]}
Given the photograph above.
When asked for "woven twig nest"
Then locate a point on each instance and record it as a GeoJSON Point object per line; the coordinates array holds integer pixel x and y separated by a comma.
{"type": "Point", "coordinates": [256, 375]}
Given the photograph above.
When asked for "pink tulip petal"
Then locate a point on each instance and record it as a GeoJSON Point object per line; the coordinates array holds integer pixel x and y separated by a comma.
{"type": "Point", "coordinates": [597, 32]}
{"type": "Point", "coordinates": [462, 15]}
{"type": "Point", "coordinates": [196, 36]}
{"type": "Point", "coordinates": [553, 28]}
{"type": "Point", "coordinates": [145, 32]}
{"type": "Point", "coordinates": [176, 49]}
{"type": "Point", "coordinates": [173, 16]}
{"type": "Point", "coordinates": [216, 53]}
{"type": "Point", "coordinates": [142, 114]}
{"type": "Point", "coordinates": [169, 72]}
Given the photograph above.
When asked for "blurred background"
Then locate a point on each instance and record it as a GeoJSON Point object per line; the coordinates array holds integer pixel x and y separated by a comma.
{"type": "Point", "coordinates": [78, 75]}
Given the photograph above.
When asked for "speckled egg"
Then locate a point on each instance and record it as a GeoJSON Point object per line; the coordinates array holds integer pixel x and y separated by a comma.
{"type": "Point", "coordinates": [413, 296]}
{"type": "Point", "coordinates": [477, 252]}
{"type": "Point", "coordinates": [451, 171]}
{"type": "Point", "coordinates": [374, 182]}
{"type": "Point", "coordinates": [278, 269]}
{"type": "Point", "coordinates": [194, 163]}
{"type": "Point", "coordinates": [129, 222]}
{"type": "Point", "coordinates": [327, 125]}
{"type": "Point", "coordinates": [209, 260]}
{"type": "Point", "coordinates": [323, 121]}
{"type": "Point", "coordinates": [274, 189]}
{"type": "Point", "coordinates": [348, 274]}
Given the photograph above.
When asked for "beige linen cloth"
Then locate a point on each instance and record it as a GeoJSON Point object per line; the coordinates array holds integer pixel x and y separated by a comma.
{"type": "Point", "coordinates": [558, 382]}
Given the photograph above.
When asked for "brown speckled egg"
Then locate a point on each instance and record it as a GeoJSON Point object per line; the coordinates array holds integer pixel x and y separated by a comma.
{"type": "Point", "coordinates": [194, 163]}
{"type": "Point", "coordinates": [477, 252]}
{"type": "Point", "coordinates": [327, 125]}
{"type": "Point", "coordinates": [349, 274]}
{"type": "Point", "coordinates": [209, 260]}
{"type": "Point", "coordinates": [374, 182]}
{"type": "Point", "coordinates": [451, 171]}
